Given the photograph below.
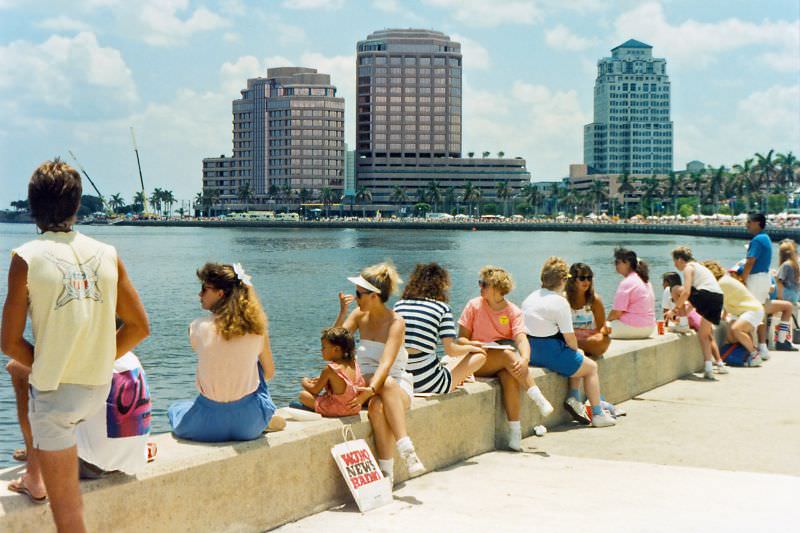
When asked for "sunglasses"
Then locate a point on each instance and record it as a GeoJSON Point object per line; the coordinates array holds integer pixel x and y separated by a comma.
{"type": "Point", "coordinates": [584, 278]}
{"type": "Point", "coordinates": [359, 294]}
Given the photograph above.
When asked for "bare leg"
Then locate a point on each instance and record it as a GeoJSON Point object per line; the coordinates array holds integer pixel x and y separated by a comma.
{"type": "Point", "coordinates": [60, 472]}
{"type": "Point", "coordinates": [780, 306]}
{"type": "Point", "coordinates": [33, 475]}
{"type": "Point", "coordinates": [384, 439]}
{"type": "Point", "coordinates": [308, 399]}
{"type": "Point", "coordinates": [704, 335]}
{"type": "Point", "coordinates": [466, 366]}
{"type": "Point", "coordinates": [395, 404]}
{"type": "Point", "coordinates": [510, 394]}
{"type": "Point", "coordinates": [741, 331]}
{"type": "Point", "coordinates": [595, 345]}
{"type": "Point", "coordinates": [591, 382]}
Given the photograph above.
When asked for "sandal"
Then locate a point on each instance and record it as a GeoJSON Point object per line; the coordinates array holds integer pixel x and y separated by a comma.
{"type": "Point", "coordinates": [18, 486]}
{"type": "Point", "coordinates": [20, 455]}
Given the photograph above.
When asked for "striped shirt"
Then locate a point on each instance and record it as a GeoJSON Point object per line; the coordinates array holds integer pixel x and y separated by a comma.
{"type": "Point", "coordinates": [427, 321]}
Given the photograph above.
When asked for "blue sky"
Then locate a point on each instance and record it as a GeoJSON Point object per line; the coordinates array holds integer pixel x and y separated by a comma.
{"type": "Point", "coordinates": [76, 74]}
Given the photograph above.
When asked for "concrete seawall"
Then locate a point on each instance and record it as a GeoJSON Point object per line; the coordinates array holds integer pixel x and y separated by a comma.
{"type": "Point", "coordinates": [257, 485]}
{"type": "Point", "coordinates": [727, 232]}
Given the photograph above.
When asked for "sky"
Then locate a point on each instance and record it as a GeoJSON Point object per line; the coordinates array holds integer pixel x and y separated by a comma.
{"type": "Point", "coordinates": [77, 74]}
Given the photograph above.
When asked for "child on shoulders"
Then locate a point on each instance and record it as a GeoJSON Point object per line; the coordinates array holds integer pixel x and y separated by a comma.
{"type": "Point", "coordinates": [340, 377]}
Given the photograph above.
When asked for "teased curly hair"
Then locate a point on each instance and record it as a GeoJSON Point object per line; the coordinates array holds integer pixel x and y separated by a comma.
{"type": "Point", "coordinates": [54, 194]}
{"type": "Point", "coordinates": [579, 269]}
{"type": "Point", "coordinates": [554, 272]}
{"type": "Point", "coordinates": [498, 278]}
{"type": "Point", "coordinates": [429, 281]}
{"type": "Point", "coordinates": [715, 268]}
{"type": "Point", "coordinates": [385, 277]}
{"type": "Point", "coordinates": [238, 312]}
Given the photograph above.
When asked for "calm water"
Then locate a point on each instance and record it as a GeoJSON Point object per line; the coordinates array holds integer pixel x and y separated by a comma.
{"type": "Point", "coordinates": [298, 273]}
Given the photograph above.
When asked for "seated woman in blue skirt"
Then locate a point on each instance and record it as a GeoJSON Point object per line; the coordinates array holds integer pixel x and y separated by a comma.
{"type": "Point", "coordinates": [233, 360]}
{"type": "Point", "coordinates": [548, 322]}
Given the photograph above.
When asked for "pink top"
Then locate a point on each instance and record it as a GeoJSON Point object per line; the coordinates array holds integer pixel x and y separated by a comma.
{"type": "Point", "coordinates": [226, 370]}
{"type": "Point", "coordinates": [488, 325]}
{"type": "Point", "coordinates": [330, 404]}
{"type": "Point", "coordinates": [637, 302]}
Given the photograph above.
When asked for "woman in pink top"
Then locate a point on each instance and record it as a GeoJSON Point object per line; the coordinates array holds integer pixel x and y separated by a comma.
{"type": "Point", "coordinates": [233, 360]}
{"type": "Point", "coordinates": [490, 318]}
{"type": "Point", "coordinates": [633, 312]}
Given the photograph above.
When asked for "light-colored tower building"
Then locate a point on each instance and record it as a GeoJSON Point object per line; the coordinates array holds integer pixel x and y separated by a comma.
{"type": "Point", "coordinates": [632, 130]}
{"type": "Point", "coordinates": [408, 118]}
{"type": "Point", "coordinates": [288, 133]}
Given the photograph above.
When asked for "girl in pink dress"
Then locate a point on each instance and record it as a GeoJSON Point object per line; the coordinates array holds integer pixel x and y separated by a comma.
{"type": "Point", "coordinates": [339, 378]}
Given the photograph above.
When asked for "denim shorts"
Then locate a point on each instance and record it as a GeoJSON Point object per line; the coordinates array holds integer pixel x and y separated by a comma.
{"type": "Point", "coordinates": [53, 414]}
{"type": "Point", "coordinates": [555, 355]}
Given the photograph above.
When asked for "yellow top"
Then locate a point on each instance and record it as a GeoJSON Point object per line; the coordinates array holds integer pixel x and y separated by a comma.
{"type": "Point", "coordinates": [72, 294]}
{"type": "Point", "coordinates": [736, 298]}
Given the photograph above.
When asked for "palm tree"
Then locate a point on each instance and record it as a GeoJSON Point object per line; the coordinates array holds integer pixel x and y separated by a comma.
{"type": "Point", "coordinates": [486, 154]}
{"type": "Point", "coordinates": [766, 168]}
{"type": "Point", "coordinates": [598, 192]}
{"type": "Point", "coordinates": [245, 195]}
{"type": "Point", "coordinates": [625, 187]}
{"type": "Point", "coordinates": [716, 181]}
{"type": "Point", "coordinates": [434, 194]}
{"type": "Point", "coordinates": [398, 196]}
{"type": "Point", "coordinates": [652, 188]}
{"type": "Point", "coordinates": [304, 195]}
{"type": "Point", "coordinates": [138, 201]}
{"type": "Point", "coordinates": [273, 191]}
{"type": "Point", "coordinates": [327, 197]}
{"type": "Point", "coordinates": [747, 177]}
{"type": "Point", "coordinates": [470, 195]}
{"type": "Point", "coordinates": [168, 198]}
{"type": "Point", "coordinates": [210, 199]}
{"type": "Point", "coordinates": [501, 154]}
{"type": "Point", "coordinates": [450, 198]}
{"type": "Point", "coordinates": [181, 211]}
{"type": "Point", "coordinates": [787, 173]}
{"type": "Point", "coordinates": [198, 202]}
{"type": "Point", "coordinates": [673, 190]}
{"type": "Point", "coordinates": [697, 180]}
{"type": "Point", "coordinates": [470, 154]}
{"type": "Point", "coordinates": [503, 194]}
{"type": "Point", "coordinates": [286, 194]}
{"type": "Point", "coordinates": [530, 193]}
{"type": "Point", "coordinates": [155, 199]}
{"type": "Point", "coordinates": [116, 203]}
{"type": "Point", "coordinates": [363, 195]}
{"type": "Point", "coordinates": [554, 194]}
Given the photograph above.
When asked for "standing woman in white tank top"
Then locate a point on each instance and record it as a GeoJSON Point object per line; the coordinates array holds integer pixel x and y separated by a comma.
{"type": "Point", "coordinates": [382, 356]}
{"type": "Point", "coordinates": [72, 286]}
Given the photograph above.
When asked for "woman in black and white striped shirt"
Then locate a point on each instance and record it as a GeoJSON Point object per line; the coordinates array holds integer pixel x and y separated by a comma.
{"type": "Point", "coordinates": [428, 319]}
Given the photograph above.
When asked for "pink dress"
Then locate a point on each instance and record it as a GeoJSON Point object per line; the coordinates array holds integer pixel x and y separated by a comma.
{"type": "Point", "coordinates": [330, 404]}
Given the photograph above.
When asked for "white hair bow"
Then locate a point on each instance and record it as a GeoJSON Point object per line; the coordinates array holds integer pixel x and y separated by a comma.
{"type": "Point", "coordinates": [243, 276]}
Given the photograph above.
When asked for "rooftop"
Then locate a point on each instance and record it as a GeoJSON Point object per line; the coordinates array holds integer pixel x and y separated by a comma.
{"type": "Point", "coordinates": [632, 43]}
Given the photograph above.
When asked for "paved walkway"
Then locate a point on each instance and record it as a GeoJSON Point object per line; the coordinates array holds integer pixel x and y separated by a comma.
{"type": "Point", "coordinates": [690, 456]}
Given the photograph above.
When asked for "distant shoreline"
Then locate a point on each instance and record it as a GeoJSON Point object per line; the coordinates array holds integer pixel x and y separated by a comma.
{"type": "Point", "coordinates": [728, 232]}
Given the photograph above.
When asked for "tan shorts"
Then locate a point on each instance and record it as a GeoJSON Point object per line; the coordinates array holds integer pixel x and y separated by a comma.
{"type": "Point", "coordinates": [54, 414]}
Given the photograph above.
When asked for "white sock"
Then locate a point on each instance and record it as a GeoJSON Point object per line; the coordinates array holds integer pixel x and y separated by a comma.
{"type": "Point", "coordinates": [783, 331]}
{"type": "Point", "coordinates": [405, 445]}
{"type": "Point", "coordinates": [534, 393]}
{"type": "Point", "coordinates": [708, 366]}
{"type": "Point", "coordinates": [515, 426]}
{"type": "Point", "coordinates": [386, 466]}
{"type": "Point", "coordinates": [762, 347]}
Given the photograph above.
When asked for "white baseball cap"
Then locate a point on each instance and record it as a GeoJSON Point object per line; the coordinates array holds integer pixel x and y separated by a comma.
{"type": "Point", "coordinates": [364, 284]}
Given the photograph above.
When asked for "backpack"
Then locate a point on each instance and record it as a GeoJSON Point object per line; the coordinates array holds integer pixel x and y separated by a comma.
{"type": "Point", "coordinates": [734, 354]}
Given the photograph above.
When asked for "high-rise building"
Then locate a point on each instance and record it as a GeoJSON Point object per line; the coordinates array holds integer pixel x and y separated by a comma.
{"type": "Point", "coordinates": [408, 115]}
{"type": "Point", "coordinates": [288, 136]}
{"type": "Point", "coordinates": [632, 130]}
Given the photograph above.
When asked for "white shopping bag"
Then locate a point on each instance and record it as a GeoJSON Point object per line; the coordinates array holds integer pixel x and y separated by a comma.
{"type": "Point", "coordinates": [369, 487]}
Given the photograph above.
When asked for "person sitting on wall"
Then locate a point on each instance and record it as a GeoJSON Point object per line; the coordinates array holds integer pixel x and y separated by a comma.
{"type": "Point", "coordinates": [234, 360]}
{"type": "Point", "coordinates": [588, 313]}
{"type": "Point", "coordinates": [491, 319]}
{"type": "Point", "coordinates": [668, 281]}
{"type": "Point", "coordinates": [554, 345]}
{"type": "Point", "coordinates": [633, 312]}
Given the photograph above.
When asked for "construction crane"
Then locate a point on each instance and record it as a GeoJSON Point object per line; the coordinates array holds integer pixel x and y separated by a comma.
{"type": "Point", "coordinates": [141, 179]}
{"type": "Point", "coordinates": [83, 171]}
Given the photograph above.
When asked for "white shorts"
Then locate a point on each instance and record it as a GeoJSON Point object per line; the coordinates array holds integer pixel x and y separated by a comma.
{"type": "Point", "coordinates": [759, 285]}
{"type": "Point", "coordinates": [754, 318]}
{"type": "Point", "coordinates": [621, 330]}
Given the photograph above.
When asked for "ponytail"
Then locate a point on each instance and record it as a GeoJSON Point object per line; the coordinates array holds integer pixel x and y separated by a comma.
{"type": "Point", "coordinates": [629, 256]}
{"type": "Point", "coordinates": [643, 270]}
{"type": "Point", "coordinates": [385, 277]}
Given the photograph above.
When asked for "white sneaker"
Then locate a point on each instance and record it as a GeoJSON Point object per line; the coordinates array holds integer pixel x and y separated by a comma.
{"type": "Point", "coordinates": [763, 351]}
{"type": "Point", "coordinates": [722, 368]}
{"type": "Point", "coordinates": [709, 375]}
{"type": "Point", "coordinates": [577, 409]}
{"type": "Point", "coordinates": [755, 360]}
{"type": "Point", "coordinates": [544, 406]}
{"type": "Point", "coordinates": [515, 440]}
{"type": "Point", "coordinates": [603, 420]}
{"type": "Point", "coordinates": [413, 464]}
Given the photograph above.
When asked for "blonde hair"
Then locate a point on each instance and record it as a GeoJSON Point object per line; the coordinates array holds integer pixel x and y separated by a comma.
{"type": "Point", "coordinates": [554, 272]}
{"type": "Point", "coordinates": [787, 252]}
{"type": "Point", "coordinates": [498, 278]}
{"type": "Point", "coordinates": [239, 311]}
{"type": "Point", "coordinates": [385, 277]}
{"type": "Point", "coordinates": [715, 268]}
{"type": "Point", "coordinates": [683, 252]}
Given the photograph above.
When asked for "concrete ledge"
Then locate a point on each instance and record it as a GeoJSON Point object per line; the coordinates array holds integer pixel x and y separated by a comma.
{"type": "Point", "coordinates": [257, 485]}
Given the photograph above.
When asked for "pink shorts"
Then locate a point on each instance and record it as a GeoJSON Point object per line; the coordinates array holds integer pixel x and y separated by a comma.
{"type": "Point", "coordinates": [694, 319]}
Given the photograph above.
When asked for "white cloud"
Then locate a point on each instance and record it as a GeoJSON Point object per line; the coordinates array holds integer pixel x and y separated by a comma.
{"type": "Point", "coordinates": [313, 4]}
{"type": "Point", "coordinates": [475, 55]}
{"type": "Point", "coordinates": [533, 121]}
{"type": "Point", "coordinates": [387, 6]}
{"type": "Point", "coordinates": [562, 38]}
{"type": "Point", "coordinates": [491, 12]}
{"type": "Point", "coordinates": [234, 75]}
{"type": "Point", "coordinates": [163, 27]}
{"type": "Point", "coordinates": [231, 37]}
{"type": "Point", "coordinates": [693, 44]}
{"type": "Point", "coordinates": [67, 73]}
{"type": "Point", "coordinates": [63, 23]}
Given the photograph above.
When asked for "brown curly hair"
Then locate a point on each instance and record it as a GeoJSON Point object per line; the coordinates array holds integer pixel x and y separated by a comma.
{"type": "Point", "coordinates": [579, 269]}
{"type": "Point", "coordinates": [428, 281]}
{"type": "Point", "coordinates": [239, 311]}
{"type": "Point", "coordinates": [498, 278]}
{"type": "Point", "coordinates": [343, 339]}
{"type": "Point", "coordinates": [54, 194]}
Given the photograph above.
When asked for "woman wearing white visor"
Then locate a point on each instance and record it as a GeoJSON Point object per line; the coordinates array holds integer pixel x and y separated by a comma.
{"type": "Point", "coordinates": [382, 357]}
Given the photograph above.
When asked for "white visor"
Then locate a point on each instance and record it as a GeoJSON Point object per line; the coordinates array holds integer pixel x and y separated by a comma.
{"type": "Point", "coordinates": [364, 284]}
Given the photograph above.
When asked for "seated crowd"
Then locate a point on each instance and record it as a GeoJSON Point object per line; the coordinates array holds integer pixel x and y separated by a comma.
{"type": "Point", "coordinates": [86, 409]}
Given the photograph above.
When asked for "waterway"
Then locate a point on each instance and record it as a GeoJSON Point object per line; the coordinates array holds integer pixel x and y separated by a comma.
{"type": "Point", "coordinates": [298, 273]}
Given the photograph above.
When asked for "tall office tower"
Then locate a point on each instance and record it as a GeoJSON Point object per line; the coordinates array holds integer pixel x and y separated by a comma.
{"type": "Point", "coordinates": [632, 130]}
{"type": "Point", "coordinates": [288, 134]}
{"type": "Point", "coordinates": [408, 114]}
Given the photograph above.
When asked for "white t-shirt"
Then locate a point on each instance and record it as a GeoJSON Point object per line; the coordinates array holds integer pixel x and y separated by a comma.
{"type": "Point", "coordinates": [546, 313]}
{"type": "Point", "coordinates": [115, 438]}
{"type": "Point", "coordinates": [703, 279]}
{"type": "Point", "coordinates": [666, 299]}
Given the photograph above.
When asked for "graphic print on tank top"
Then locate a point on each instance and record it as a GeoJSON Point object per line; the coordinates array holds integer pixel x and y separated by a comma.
{"type": "Point", "coordinates": [80, 280]}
